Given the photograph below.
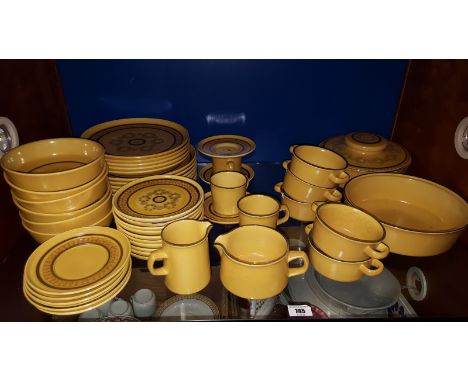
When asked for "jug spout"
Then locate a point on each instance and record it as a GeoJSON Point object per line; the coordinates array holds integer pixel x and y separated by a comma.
{"type": "Point", "coordinates": [220, 243]}
{"type": "Point", "coordinates": [205, 228]}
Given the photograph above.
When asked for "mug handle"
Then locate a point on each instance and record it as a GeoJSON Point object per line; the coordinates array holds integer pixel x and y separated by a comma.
{"type": "Point", "coordinates": [293, 255]}
{"type": "Point", "coordinates": [342, 177]}
{"type": "Point", "coordinates": [278, 187]}
{"type": "Point", "coordinates": [292, 147]}
{"type": "Point", "coordinates": [380, 252]}
{"type": "Point", "coordinates": [159, 254]}
{"type": "Point", "coordinates": [372, 272]}
{"type": "Point", "coordinates": [285, 218]}
{"type": "Point", "coordinates": [308, 228]}
{"type": "Point", "coordinates": [334, 196]}
{"type": "Point", "coordinates": [285, 163]}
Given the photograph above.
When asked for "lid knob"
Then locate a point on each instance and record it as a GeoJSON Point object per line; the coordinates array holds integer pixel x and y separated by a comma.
{"type": "Point", "coordinates": [365, 142]}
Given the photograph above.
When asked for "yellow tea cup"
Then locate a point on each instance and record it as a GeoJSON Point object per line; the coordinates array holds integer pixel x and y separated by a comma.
{"type": "Point", "coordinates": [185, 254]}
{"type": "Point", "coordinates": [257, 209]}
{"type": "Point", "coordinates": [227, 188]}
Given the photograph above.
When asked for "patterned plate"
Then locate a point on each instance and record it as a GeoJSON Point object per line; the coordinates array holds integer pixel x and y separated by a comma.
{"type": "Point", "coordinates": [138, 137]}
{"type": "Point", "coordinates": [77, 260]}
{"type": "Point", "coordinates": [212, 216]}
{"type": "Point", "coordinates": [187, 307]}
{"type": "Point", "coordinates": [159, 197]}
{"type": "Point", "coordinates": [207, 171]}
{"type": "Point", "coordinates": [226, 146]}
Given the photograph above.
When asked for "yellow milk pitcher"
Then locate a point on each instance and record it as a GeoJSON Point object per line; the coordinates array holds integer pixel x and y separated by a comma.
{"type": "Point", "coordinates": [255, 261]}
{"type": "Point", "coordinates": [185, 255]}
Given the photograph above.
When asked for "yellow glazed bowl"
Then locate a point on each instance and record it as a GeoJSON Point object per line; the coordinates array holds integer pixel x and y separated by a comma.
{"type": "Point", "coordinates": [301, 211]}
{"type": "Point", "coordinates": [347, 233]}
{"type": "Point", "coordinates": [40, 237]}
{"type": "Point", "coordinates": [305, 192]}
{"type": "Point", "coordinates": [255, 261]}
{"type": "Point", "coordinates": [257, 209]}
{"type": "Point", "coordinates": [421, 218]}
{"type": "Point", "coordinates": [54, 164]}
{"type": "Point", "coordinates": [82, 220]}
{"type": "Point", "coordinates": [73, 202]}
{"type": "Point", "coordinates": [45, 196]}
{"type": "Point", "coordinates": [318, 166]}
{"type": "Point", "coordinates": [344, 271]}
{"type": "Point", "coordinates": [38, 217]}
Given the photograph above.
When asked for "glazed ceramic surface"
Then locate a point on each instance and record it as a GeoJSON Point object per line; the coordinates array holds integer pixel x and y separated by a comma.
{"type": "Point", "coordinates": [227, 187]}
{"type": "Point", "coordinates": [255, 261]}
{"type": "Point", "coordinates": [421, 218]}
{"type": "Point", "coordinates": [207, 171]}
{"type": "Point", "coordinates": [226, 146]}
{"type": "Point", "coordinates": [301, 211]}
{"type": "Point", "coordinates": [257, 209]}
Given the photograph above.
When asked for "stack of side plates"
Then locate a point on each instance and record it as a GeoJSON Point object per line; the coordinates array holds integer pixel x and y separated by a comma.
{"type": "Point", "coordinates": [140, 147]}
{"type": "Point", "coordinates": [77, 270]}
{"type": "Point", "coordinates": [142, 208]}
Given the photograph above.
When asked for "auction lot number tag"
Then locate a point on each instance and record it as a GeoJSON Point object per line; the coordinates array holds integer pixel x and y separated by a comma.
{"type": "Point", "coordinates": [299, 311]}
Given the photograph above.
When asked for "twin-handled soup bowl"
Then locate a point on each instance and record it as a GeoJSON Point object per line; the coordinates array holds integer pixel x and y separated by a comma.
{"type": "Point", "coordinates": [347, 233]}
{"type": "Point", "coordinates": [301, 211]}
{"type": "Point", "coordinates": [344, 271]}
{"type": "Point", "coordinates": [255, 261]}
{"type": "Point", "coordinates": [257, 209]}
{"type": "Point", "coordinates": [421, 218]}
{"type": "Point", "coordinates": [54, 164]}
{"type": "Point", "coordinates": [318, 166]}
{"type": "Point", "coordinates": [306, 192]}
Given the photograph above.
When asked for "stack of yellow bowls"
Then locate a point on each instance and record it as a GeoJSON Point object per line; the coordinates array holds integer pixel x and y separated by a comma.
{"type": "Point", "coordinates": [77, 270]}
{"type": "Point", "coordinates": [140, 147]}
{"type": "Point", "coordinates": [59, 184]}
{"type": "Point", "coordinates": [313, 175]}
{"type": "Point", "coordinates": [142, 208]}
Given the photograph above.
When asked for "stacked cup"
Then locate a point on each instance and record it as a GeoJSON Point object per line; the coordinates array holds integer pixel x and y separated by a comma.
{"type": "Point", "coordinates": [58, 185]}
{"type": "Point", "coordinates": [346, 243]}
{"type": "Point", "coordinates": [312, 175]}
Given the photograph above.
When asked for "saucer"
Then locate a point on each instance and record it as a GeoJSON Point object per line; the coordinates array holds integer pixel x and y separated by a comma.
{"type": "Point", "coordinates": [213, 217]}
{"type": "Point", "coordinates": [207, 171]}
{"type": "Point", "coordinates": [226, 146]}
{"type": "Point", "coordinates": [187, 307]}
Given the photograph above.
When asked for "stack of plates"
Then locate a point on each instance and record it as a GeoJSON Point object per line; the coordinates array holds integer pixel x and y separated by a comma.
{"type": "Point", "coordinates": [140, 147]}
{"type": "Point", "coordinates": [142, 208]}
{"type": "Point", "coordinates": [77, 270]}
{"type": "Point", "coordinates": [59, 184]}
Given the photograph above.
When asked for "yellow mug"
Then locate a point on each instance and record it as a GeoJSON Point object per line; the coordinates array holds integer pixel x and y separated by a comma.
{"type": "Point", "coordinates": [255, 261]}
{"type": "Point", "coordinates": [185, 255]}
{"type": "Point", "coordinates": [227, 187]}
{"type": "Point", "coordinates": [226, 164]}
{"type": "Point", "coordinates": [257, 209]}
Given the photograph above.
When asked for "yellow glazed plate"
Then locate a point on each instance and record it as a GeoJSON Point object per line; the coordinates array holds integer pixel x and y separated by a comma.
{"type": "Point", "coordinates": [207, 171]}
{"type": "Point", "coordinates": [82, 307]}
{"type": "Point", "coordinates": [77, 260]}
{"type": "Point", "coordinates": [226, 146]}
{"type": "Point", "coordinates": [80, 299]}
{"type": "Point", "coordinates": [213, 217]}
{"type": "Point", "coordinates": [137, 137]}
{"type": "Point", "coordinates": [161, 196]}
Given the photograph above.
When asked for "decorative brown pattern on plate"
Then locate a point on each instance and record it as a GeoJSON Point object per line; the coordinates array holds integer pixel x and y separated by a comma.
{"type": "Point", "coordinates": [226, 146]}
{"type": "Point", "coordinates": [45, 270]}
{"type": "Point", "coordinates": [157, 196]}
{"type": "Point", "coordinates": [138, 139]}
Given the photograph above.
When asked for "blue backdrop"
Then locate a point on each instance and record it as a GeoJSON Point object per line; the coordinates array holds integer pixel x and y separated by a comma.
{"type": "Point", "coordinates": [275, 102]}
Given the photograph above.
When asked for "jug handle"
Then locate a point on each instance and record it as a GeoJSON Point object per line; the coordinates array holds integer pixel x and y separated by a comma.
{"type": "Point", "coordinates": [285, 218]}
{"type": "Point", "coordinates": [342, 177]}
{"type": "Point", "coordinates": [293, 255]}
{"type": "Point", "coordinates": [159, 254]}
{"type": "Point", "coordinates": [372, 272]}
{"type": "Point", "coordinates": [380, 252]}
